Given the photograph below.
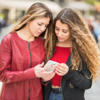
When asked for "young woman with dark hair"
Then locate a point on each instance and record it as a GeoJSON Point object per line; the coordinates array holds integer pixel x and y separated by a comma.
{"type": "Point", "coordinates": [75, 49]}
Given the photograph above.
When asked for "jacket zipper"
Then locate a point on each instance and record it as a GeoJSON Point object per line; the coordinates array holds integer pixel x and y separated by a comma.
{"type": "Point", "coordinates": [30, 54]}
{"type": "Point", "coordinates": [61, 90]}
{"type": "Point", "coordinates": [30, 66]}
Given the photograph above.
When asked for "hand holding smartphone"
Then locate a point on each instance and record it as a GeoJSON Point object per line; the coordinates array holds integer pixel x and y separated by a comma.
{"type": "Point", "coordinates": [50, 62]}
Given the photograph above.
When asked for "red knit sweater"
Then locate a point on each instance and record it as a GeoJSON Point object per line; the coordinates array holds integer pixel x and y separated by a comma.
{"type": "Point", "coordinates": [60, 55]}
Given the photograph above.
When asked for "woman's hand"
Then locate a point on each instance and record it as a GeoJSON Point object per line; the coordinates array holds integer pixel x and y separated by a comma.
{"type": "Point", "coordinates": [50, 76]}
{"type": "Point", "coordinates": [62, 69]}
{"type": "Point", "coordinates": [40, 71]}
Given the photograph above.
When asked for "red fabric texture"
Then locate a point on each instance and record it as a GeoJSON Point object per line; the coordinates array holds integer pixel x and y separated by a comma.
{"type": "Point", "coordinates": [60, 55]}
{"type": "Point", "coordinates": [15, 71]}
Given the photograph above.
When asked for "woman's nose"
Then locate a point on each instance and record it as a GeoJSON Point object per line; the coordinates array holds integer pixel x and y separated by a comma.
{"type": "Point", "coordinates": [59, 33]}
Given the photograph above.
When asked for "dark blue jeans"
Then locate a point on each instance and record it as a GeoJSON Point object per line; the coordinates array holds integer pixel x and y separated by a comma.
{"type": "Point", "coordinates": [55, 96]}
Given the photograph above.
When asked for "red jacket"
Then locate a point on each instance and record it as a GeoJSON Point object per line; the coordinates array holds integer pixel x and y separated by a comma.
{"type": "Point", "coordinates": [16, 58]}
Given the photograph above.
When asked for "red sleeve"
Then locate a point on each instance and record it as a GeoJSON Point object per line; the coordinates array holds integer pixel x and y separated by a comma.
{"type": "Point", "coordinates": [6, 75]}
{"type": "Point", "coordinates": [44, 83]}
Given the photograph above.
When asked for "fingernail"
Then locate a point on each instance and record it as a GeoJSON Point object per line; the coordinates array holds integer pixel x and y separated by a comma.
{"type": "Point", "coordinates": [42, 63]}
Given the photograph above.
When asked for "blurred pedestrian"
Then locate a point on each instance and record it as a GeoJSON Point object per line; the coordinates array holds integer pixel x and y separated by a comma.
{"type": "Point", "coordinates": [91, 28]}
{"type": "Point", "coordinates": [22, 53]}
{"type": "Point", "coordinates": [1, 20]}
{"type": "Point", "coordinates": [0, 27]}
{"type": "Point", "coordinates": [75, 49]}
{"type": "Point", "coordinates": [96, 29]}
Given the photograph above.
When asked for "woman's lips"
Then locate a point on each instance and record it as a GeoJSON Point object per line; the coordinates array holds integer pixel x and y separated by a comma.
{"type": "Point", "coordinates": [39, 33]}
{"type": "Point", "coordinates": [60, 38]}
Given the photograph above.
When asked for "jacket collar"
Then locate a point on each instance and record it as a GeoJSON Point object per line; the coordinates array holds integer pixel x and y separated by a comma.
{"type": "Point", "coordinates": [68, 62]}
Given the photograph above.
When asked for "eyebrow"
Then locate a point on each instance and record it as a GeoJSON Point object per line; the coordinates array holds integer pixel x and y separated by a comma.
{"type": "Point", "coordinates": [42, 23]}
{"type": "Point", "coordinates": [56, 26]}
{"type": "Point", "coordinates": [63, 29]}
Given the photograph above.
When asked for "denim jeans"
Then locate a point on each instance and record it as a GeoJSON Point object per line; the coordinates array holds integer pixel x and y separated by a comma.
{"type": "Point", "coordinates": [55, 96]}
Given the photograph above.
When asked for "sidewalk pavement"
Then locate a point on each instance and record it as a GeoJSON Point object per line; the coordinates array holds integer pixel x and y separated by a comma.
{"type": "Point", "coordinates": [94, 92]}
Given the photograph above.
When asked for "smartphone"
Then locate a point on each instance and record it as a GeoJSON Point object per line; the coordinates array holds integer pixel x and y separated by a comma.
{"type": "Point", "coordinates": [50, 62]}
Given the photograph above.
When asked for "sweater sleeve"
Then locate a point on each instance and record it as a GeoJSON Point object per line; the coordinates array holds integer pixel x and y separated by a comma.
{"type": "Point", "coordinates": [81, 79]}
{"type": "Point", "coordinates": [6, 75]}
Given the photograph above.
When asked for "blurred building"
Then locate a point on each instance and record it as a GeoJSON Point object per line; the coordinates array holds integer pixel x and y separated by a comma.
{"type": "Point", "coordinates": [87, 7]}
{"type": "Point", "coordinates": [15, 9]}
{"type": "Point", "coordinates": [80, 5]}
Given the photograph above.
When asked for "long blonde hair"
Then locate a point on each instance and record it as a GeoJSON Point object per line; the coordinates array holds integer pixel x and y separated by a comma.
{"type": "Point", "coordinates": [37, 10]}
{"type": "Point", "coordinates": [84, 45]}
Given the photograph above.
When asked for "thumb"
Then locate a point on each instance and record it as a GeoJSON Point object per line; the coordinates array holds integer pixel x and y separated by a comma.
{"type": "Point", "coordinates": [42, 64]}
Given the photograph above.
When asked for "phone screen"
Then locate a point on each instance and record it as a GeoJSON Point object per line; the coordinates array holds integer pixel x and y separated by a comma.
{"type": "Point", "coordinates": [50, 62]}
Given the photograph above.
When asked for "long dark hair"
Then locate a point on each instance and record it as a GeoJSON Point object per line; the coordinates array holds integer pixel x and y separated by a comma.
{"type": "Point", "coordinates": [84, 45]}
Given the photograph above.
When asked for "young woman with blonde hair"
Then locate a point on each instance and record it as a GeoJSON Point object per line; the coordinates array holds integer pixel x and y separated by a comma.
{"type": "Point", "coordinates": [22, 53]}
{"type": "Point", "coordinates": [75, 49]}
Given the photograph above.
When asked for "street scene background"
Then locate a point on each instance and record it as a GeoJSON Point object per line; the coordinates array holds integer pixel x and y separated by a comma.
{"type": "Point", "coordinates": [13, 10]}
